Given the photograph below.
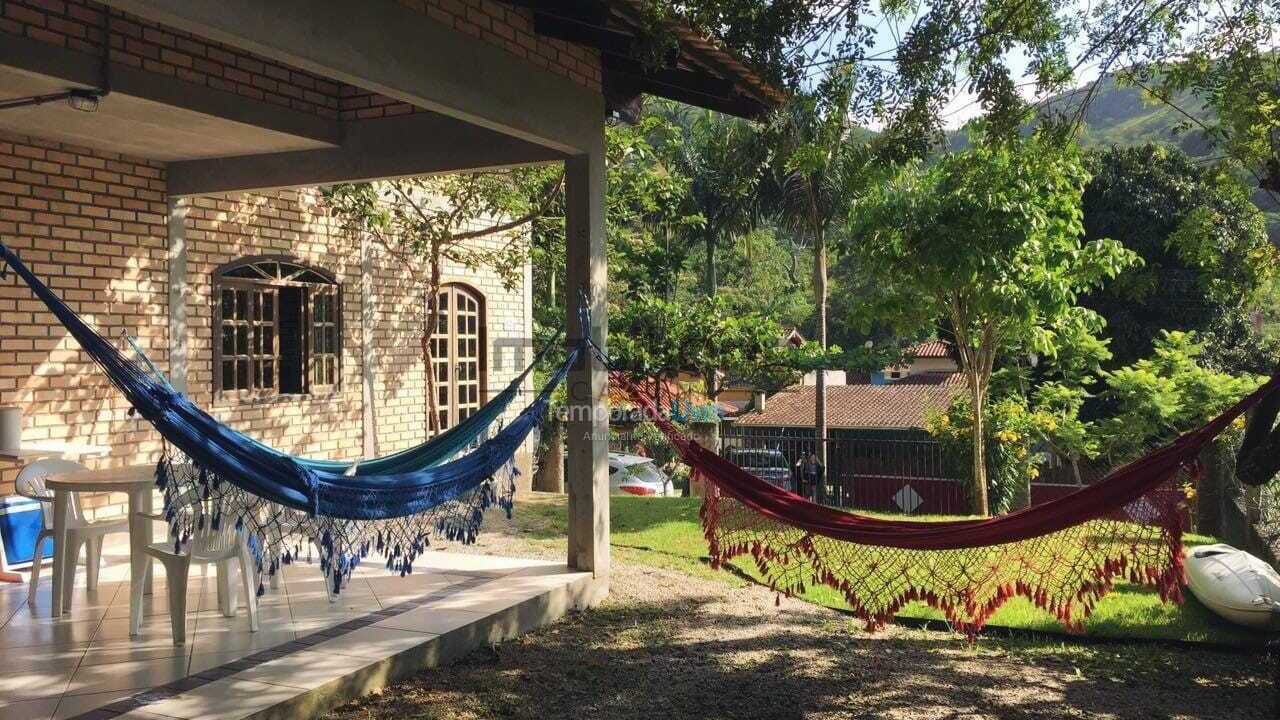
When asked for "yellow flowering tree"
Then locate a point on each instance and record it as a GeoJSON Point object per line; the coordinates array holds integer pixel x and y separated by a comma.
{"type": "Point", "coordinates": [1011, 433]}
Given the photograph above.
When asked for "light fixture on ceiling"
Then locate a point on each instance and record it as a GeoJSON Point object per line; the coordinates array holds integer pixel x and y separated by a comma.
{"type": "Point", "coordinates": [84, 100]}
{"type": "Point", "coordinates": [80, 99]}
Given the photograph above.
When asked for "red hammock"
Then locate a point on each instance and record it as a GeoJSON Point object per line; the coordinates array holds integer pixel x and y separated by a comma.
{"type": "Point", "coordinates": [1062, 555]}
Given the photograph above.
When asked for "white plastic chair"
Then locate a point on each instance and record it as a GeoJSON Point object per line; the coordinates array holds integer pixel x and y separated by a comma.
{"type": "Point", "coordinates": [80, 532]}
{"type": "Point", "coordinates": [225, 548]}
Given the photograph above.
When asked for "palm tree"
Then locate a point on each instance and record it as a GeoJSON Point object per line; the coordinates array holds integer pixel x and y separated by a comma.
{"type": "Point", "coordinates": [724, 158]}
{"type": "Point", "coordinates": [823, 164]}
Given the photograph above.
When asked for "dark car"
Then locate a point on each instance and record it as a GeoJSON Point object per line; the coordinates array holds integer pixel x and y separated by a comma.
{"type": "Point", "coordinates": [767, 464]}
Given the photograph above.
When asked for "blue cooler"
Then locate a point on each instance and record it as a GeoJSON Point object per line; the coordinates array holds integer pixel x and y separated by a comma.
{"type": "Point", "coordinates": [21, 520]}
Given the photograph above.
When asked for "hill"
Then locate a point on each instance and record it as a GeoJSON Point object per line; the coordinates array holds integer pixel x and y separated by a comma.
{"type": "Point", "coordinates": [1117, 115]}
{"type": "Point", "coordinates": [1124, 116]}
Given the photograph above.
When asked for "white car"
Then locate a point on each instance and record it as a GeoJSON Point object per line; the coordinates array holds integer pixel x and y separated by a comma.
{"type": "Point", "coordinates": [636, 475]}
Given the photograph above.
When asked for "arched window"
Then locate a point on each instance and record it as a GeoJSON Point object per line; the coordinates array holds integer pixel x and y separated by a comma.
{"type": "Point", "coordinates": [277, 329]}
{"type": "Point", "coordinates": [458, 354]}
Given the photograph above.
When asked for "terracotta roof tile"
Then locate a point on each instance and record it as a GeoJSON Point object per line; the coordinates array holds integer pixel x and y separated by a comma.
{"type": "Point", "coordinates": [712, 52]}
{"type": "Point", "coordinates": [931, 349]}
{"type": "Point", "coordinates": [898, 405]}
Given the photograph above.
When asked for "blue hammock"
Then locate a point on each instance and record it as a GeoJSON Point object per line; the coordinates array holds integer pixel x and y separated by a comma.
{"type": "Point", "coordinates": [266, 492]}
{"type": "Point", "coordinates": [428, 454]}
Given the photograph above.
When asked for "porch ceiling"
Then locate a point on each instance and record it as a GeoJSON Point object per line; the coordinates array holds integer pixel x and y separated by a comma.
{"type": "Point", "coordinates": [141, 127]}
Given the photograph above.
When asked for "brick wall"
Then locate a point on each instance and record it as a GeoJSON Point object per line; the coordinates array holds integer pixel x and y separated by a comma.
{"type": "Point", "coordinates": [287, 223]}
{"type": "Point", "coordinates": [93, 224]}
{"type": "Point", "coordinates": [397, 326]}
{"type": "Point", "coordinates": [511, 28]}
{"type": "Point", "coordinates": [76, 24]}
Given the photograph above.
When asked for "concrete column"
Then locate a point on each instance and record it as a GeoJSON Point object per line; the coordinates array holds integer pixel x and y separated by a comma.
{"type": "Point", "coordinates": [587, 430]}
{"type": "Point", "coordinates": [178, 357]}
{"type": "Point", "coordinates": [368, 358]}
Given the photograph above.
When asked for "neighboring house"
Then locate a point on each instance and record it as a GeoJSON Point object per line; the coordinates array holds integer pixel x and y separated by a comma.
{"type": "Point", "coordinates": [738, 395]}
{"type": "Point", "coordinates": [861, 408]}
{"type": "Point", "coordinates": [833, 378]}
{"type": "Point", "coordinates": [675, 396]}
{"type": "Point", "coordinates": [932, 356]}
{"type": "Point", "coordinates": [791, 336]}
{"type": "Point", "coordinates": [879, 455]}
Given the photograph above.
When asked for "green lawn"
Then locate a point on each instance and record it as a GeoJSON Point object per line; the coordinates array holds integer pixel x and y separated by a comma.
{"type": "Point", "coordinates": [665, 532]}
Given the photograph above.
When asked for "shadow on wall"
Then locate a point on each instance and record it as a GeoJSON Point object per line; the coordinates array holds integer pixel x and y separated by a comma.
{"type": "Point", "coordinates": [124, 289]}
{"type": "Point", "coordinates": [290, 223]}
{"type": "Point", "coordinates": [62, 392]}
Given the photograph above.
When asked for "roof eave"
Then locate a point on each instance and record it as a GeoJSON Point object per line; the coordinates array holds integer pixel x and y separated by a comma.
{"type": "Point", "coordinates": [703, 73]}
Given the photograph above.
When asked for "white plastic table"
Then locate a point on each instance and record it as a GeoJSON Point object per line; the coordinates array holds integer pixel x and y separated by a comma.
{"type": "Point", "coordinates": [136, 481]}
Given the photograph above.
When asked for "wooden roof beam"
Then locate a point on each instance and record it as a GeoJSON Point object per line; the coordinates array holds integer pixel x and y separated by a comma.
{"type": "Point", "coordinates": [583, 33]}
{"type": "Point", "coordinates": [737, 105]}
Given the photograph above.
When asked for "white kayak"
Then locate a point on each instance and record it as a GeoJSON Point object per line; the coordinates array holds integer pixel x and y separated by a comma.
{"type": "Point", "coordinates": [1234, 584]}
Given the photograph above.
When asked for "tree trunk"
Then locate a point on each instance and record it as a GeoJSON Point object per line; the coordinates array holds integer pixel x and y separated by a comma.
{"type": "Point", "coordinates": [1258, 458]}
{"type": "Point", "coordinates": [820, 384]}
{"type": "Point", "coordinates": [431, 303]}
{"type": "Point", "coordinates": [430, 419]}
{"type": "Point", "coordinates": [711, 279]}
{"type": "Point", "coordinates": [550, 477]}
{"type": "Point", "coordinates": [1238, 510]}
{"type": "Point", "coordinates": [979, 489]}
{"type": "Point", "coordinates": [710, 384]}
{"type": "Point", "coordinates": [976, 363]}
{"type": "Point", "coordinates": [706, 434]}
{"type": "Point", "coordinates": [1213, 480]}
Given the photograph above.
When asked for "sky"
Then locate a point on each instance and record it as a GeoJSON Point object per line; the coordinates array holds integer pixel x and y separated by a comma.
{"type": "Point", "coordinates": [962, 106]}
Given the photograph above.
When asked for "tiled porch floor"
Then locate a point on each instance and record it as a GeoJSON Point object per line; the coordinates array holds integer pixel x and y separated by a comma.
{"type": "Point", "coordinates": [66, 667]}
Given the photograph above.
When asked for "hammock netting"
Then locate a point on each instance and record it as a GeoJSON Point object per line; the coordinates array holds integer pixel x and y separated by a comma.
{"type": "Point", "coordinates": [1062, 555]}
{"type": "Point", "coordinates": [392, 506]}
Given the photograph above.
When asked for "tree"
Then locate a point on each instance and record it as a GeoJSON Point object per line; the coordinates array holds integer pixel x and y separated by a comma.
{"type": "Point", "coordinates": [654, 337]}
{"type": "Point", "coordinates": [825, 165]}
{"type": "Point", "coordinates": [646, 214]}
{"type": "Point", "coordinates": [1010, 429]}
{"type": "Point", "coordinates": [1203, 244]}
{"type": "Point", "coordinates": [1171, 392]}
{"type": "Point", "coordinates": [1214, 54]}
{"type": "Point", "coordinates": [935, 50]}
{"type": "Point", "coordinates": [723, 158]}
{"type": "Point", "coordinates": [1058, 404]}
{"type": "Point", "coordinates": [763, 272]}
{"type": "Point", "coordinates": [1161, 396]}
{"type": "Point", "coordinates": [1235, 343]}
{"type": "Point", "coordinates": [429, 221]}
{"type": "Point", "coordinates": [990, 240]}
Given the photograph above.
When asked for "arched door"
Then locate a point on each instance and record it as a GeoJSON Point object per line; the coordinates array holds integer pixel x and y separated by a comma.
{"type": "Point", "coordinates": [458, 353]}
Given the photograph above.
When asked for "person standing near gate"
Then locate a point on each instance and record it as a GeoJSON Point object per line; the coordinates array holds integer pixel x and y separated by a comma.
{"type": "Point", "coordinates": [810, 472]}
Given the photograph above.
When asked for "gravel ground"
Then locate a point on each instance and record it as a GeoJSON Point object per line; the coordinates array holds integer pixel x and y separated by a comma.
{"type": "Point", "coordinates": [667, 645]}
